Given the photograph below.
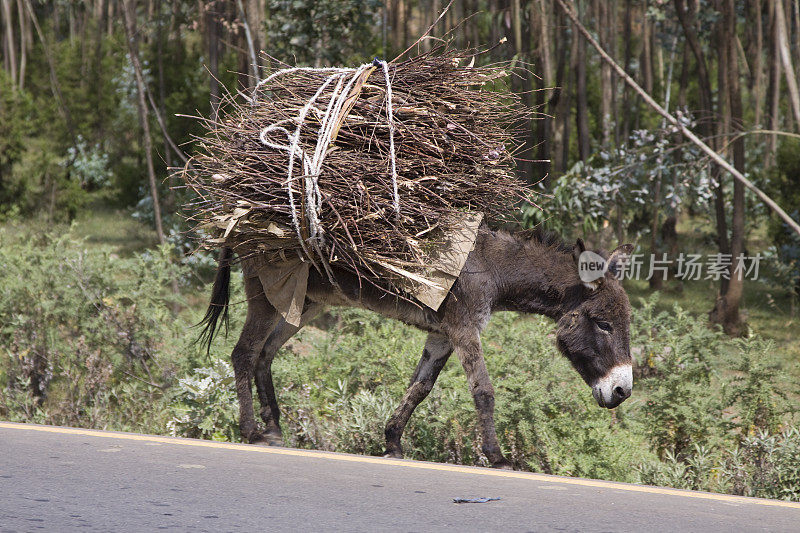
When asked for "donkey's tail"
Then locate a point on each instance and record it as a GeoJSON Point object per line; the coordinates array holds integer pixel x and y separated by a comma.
{"type": "Point", "coordinates": [220, 296]}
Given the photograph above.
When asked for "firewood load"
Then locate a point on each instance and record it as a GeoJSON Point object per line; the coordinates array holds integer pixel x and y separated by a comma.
{"type": "Point", "coordinates": [385, 170]}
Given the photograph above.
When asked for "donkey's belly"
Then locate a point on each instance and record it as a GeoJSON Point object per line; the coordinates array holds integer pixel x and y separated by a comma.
{"type": "Point", "coordinates": [367, 296]}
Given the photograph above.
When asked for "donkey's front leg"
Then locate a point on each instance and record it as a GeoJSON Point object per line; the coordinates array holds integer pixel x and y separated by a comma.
{"type": "Point", "coordinates": [470, 353]}
{"type": "Point", "coordinates": [434, 356]}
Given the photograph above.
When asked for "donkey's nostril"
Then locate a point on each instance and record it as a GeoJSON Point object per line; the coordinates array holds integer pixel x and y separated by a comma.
{"type": "Point", "coordinates": [621, 392]}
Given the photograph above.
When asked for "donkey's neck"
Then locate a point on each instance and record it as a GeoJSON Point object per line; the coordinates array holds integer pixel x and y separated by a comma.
{"type": "Point", "coordinates": [534, 277]}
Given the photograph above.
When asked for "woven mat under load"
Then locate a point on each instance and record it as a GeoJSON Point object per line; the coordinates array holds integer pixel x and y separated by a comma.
{"type": "Point", "coordinates": [384, 170]}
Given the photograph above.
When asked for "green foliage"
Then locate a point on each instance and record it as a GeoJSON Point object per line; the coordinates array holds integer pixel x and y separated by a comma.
{"type": "Point", "coordinates": [85, 334]}
{"type": "Point", "coordinates": [677, 353]}
{"type": "Point", "coordinates": [766, 465]}
{"type": "Point", "coordinates": [306, 30]}
{"type": "Point", "coordinates": [757, 391]}
{"type": "Point", "coordinates": [205, 405]}
{"type": "Point", "coordinates": [621, 185]}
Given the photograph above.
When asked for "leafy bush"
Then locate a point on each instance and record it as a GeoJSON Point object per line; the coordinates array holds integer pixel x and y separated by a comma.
{"type": "Point", "coordinates": [766, 465]}
{"type": "Point", "coordinates": [678, 353]}
{"type": "Point", "coordinates": [85, 334]}
{"type": "Point", "coordinates": [205, 405]}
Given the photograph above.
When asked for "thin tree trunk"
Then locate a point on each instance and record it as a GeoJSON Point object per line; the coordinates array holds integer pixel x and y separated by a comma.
{"type": "Point", "coordinates": [646, 57]}
{"type": "Point", "coordinates": [796, 31]}
{"type": "Point", "coordinates": [758, 67]}
{"type": "Point", "coordinates": [726, 309]}
{"type": "Point", "coordinates": [255, 13]}
{"type": "Point", "coordinates": [627, 37]}
{"type": "Point", "coordinates": [251, 47]}
{"type": "Point", "coordinates": [773, 92]}
{"type": "Point", "coordinates": [129, 12]}
{"type": "Point", "coordinates": [24, 42]}
{"type": "Point", "coordinates": [786, 59]}
{"type": "Point", "coordinates": [581, 102]}
{"type": "Point", "coordinates": [213, 27]}
{"type": "Point", "coordinates": [601, 15]}
{"type": "Point", "coordinates": [541, 40]}
{"type": "Point", "coordinates": [560, 103]}
{"type": "Point", "coordinates": [10, 46]}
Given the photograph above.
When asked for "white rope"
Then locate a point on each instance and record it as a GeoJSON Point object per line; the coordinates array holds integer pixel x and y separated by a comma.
{"type": "Point", "coordinates": [312, 166]}
{"type": "Point", "coordinates": [390, 119]}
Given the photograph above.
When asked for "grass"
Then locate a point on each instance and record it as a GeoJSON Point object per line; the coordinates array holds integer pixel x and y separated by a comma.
{"type": "Point", "coordinates": [115, 228]}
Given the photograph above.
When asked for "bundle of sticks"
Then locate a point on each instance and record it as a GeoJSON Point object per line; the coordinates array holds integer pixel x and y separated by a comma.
{"type": "Point", "coordinates": [367, 168]}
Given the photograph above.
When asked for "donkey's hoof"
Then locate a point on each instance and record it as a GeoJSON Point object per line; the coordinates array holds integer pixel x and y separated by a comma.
{"type": "Point", "coordinates": [503, 464]}
{"type": "Point", "coordinates": [393, 454]}
{"type": "Point", "coordinates": [257, 437]}
{"type": "Point", "coordinates": [274, 439]}
{"type": "Point", "coordinates": [265, 439]}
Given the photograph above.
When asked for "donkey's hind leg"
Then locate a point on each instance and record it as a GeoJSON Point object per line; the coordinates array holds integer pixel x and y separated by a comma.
{"type": "Point", "coordinates": [260, 321]}
{"type": "Point", "coordinates": [434, 356]}
{"type": "Point", "coordinates": [270, 413]}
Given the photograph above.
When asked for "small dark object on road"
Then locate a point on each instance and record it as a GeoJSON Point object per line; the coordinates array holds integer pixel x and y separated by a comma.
{"type": "Point", "coordinates": [474, 500]}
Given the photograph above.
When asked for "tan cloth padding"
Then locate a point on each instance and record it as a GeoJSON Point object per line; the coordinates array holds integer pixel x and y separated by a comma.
{"type": "Point", "coordinates": [285, 282]}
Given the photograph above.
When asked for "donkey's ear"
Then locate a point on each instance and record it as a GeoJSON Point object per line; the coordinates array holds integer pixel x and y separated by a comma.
{"type": "Point", "coordinates": [578, 249]}
{"type": "Point", "coordinates": [619, 258]}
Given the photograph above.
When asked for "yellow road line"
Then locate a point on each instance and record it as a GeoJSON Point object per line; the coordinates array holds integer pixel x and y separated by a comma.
{"type": "Point", "coordinates": [404, 463]}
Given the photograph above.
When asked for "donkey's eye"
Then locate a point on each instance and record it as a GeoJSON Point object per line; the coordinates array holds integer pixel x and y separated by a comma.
{"type": "Point", "coordinates": [605, 326]}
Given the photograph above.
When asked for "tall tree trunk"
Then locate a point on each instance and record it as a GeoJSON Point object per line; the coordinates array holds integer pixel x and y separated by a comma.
{"type": "Point", "coordinates": [646, 57]}
{"type": "Point", "coordinates": [129, 12]}
{"type": "Point", "coordinates": [602, 9]}
{"type": "Point", "coordinates": [796, 31]}
{"type": "Point", "coordinates": [627, 35]}
{"type": "Point", "coordinates": [657, 281]}
{"type": "Point", "coordinates": [773, 90]}
{"type": "Point", "coordinates": [581, 102]}
{"type": "Point", "coordinates": [10, 46]}
{"type": "Point", "coordinates": [726, 310]}
{"type": "Point", "coordinates": [758, 63]}
{"type": "Point", "coordinates": [723, 124]}
{"type": "Point", "coordinates": [560, 101]}
{"type": "Point", "coordinates": [213, 29]}
{"type": "Point", "coordinates": [540, 40]}
{"type": "Point", "coordinates": [24, 43]}
{"type": "Point", "coordinates": [786, 58]}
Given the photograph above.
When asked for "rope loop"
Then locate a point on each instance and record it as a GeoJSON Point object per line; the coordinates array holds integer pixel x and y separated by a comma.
{"type": "Point", "coordinates": [344, 79]}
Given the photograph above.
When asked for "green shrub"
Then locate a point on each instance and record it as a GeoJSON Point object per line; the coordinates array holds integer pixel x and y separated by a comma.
{"type": "Point", "coordinates": [205, 405]}
{"type": "Point", "coordinates": [84, 333]}
{"type": "Point", "coordinates": [766, 465]}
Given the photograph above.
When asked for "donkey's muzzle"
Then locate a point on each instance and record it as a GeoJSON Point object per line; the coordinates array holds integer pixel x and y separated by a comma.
{"type": "Point", "coordinates": [615, 387]}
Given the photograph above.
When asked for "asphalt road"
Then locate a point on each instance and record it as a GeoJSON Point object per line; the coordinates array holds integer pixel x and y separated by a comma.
{"type": "Point", "coordinates": [63, 479]}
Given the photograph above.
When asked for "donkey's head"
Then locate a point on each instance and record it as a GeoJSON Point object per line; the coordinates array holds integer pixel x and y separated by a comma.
{"type": "Point", "coordinates": [595, 334]}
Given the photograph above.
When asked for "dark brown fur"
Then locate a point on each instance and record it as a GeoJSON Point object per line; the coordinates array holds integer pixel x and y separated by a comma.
{"type": "Point", "coordinates": [504, 272]}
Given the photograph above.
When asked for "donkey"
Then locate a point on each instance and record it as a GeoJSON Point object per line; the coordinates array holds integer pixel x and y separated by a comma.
{"type": "Point", "coordinates": [529, 273]}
